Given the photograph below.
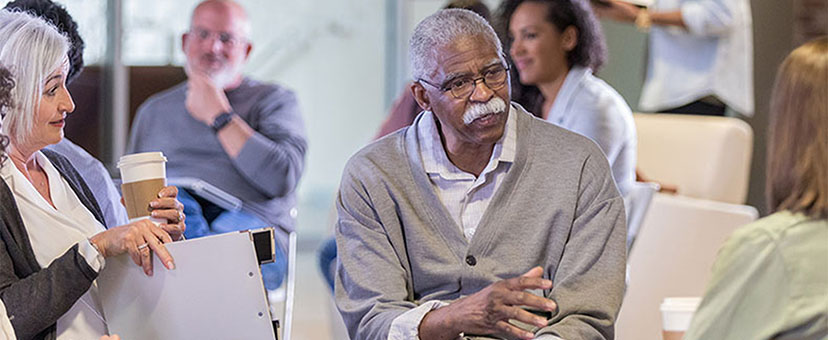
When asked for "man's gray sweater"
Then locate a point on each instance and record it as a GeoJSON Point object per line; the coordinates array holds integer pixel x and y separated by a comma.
{"type": "Point", "coordinates": [557, 208]}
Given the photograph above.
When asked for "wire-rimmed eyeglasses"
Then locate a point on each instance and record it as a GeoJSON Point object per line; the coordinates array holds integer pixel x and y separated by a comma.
{"type": "Point", "coordinates": [462, 87]}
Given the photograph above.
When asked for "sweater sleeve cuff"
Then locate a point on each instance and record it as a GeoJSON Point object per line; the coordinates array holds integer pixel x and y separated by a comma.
{"type": "Point", "coordinates": [93, 258]}
{"type": "Point", "coordinates": [251, 153]}
{"type": "Point", "coordinates": [407, 325]}
{"type": "Point", "coordinates": [254, 155]}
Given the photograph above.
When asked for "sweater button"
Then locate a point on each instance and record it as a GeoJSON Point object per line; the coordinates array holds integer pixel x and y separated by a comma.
{"type": "Point", "coordinates": [470, 260]}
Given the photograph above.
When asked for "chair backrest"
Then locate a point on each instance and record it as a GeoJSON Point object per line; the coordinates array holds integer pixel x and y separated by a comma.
{"type": "Point", "coordinates": [636, 203]}
{"type": "Point", "coordinates": [673, 256]}
{"type": "Point", "coordinates": [705, 157]}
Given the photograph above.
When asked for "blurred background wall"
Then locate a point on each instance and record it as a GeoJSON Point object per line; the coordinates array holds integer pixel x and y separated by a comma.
{"type": "Point", "coordinates": [347, 60]}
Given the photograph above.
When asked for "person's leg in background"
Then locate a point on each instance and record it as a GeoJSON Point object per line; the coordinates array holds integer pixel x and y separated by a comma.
{"type": "Point", "coordinates": [707, 106]}
{"type": "Point", "coordinates": [196, 224]}
{"type": "Point", "coordinates": [327, 261]}
{"type": "Point", "coordinates": [231, 221]}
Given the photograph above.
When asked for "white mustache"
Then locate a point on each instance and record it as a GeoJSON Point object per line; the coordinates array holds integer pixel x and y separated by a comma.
{"type": "Point", "coordinates": [477, 110]}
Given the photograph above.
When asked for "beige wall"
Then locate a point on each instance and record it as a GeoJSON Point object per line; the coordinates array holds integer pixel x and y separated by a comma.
{"type": "Point", "coordinates": [772, 41]}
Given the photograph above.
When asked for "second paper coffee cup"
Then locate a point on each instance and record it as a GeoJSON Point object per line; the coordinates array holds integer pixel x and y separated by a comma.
{"type": "Point", "coordinates": [143, 175]}
{"type": "Point", "coordinates": [676, 314]}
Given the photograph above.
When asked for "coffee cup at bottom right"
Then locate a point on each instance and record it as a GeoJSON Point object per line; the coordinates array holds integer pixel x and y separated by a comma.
{"type": "Point", "coordinates": [676, 314]}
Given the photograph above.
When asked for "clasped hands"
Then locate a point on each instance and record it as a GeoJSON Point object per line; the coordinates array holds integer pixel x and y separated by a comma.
{"type": "Point", "coordinates": [142, 238]}
{"type": "Point", "coordinates": [488, 311]}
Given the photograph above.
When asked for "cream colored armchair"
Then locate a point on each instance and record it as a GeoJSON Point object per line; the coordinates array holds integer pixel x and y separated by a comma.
{"type": "Point", "coordinates": [673, 256]}
{"type": "Point", "coordinates": [704, 157]}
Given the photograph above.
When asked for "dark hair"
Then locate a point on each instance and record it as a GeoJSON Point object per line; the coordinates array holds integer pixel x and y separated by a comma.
{"type": "Point", "coordinates": [797, 164]}
{"type": "Point", "coordinates": [590, 49]}
{"type": "Point", "coordinates": [476, 6]}
{"type": "Point", "coordinates": [56, 15]}
{"type": "Point", "coordinates": [6, 85]}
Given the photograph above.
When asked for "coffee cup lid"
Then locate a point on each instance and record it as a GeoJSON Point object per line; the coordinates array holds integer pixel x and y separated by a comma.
{"type": "Point", "coordinates": [143, 157]}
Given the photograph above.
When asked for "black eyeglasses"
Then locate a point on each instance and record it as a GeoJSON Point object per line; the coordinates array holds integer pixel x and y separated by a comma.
{"type": "Point", "coordinates": [462, 87]}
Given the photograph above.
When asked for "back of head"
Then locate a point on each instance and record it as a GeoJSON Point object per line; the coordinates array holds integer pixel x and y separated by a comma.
{"type": "Point", "coordinates": [797, 171]}
{"type": "Point", "coordinates": [440, 30]}
{"type": "Point", "coordinates": [56, 15]}
{"type": "Point", "coordinates": [31, 49]}
{"type": "Point", "coordinates": [476, 6]}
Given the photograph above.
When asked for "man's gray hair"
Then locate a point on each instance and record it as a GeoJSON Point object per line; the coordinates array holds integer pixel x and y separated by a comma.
{"type": "Point", "coordinates": [441, 29]}
{"type": "Point", "coordinates": [31, 49]}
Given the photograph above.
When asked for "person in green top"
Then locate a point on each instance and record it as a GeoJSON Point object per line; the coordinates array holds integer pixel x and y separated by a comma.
{"type": "Point", "coordinates": [770, 280]}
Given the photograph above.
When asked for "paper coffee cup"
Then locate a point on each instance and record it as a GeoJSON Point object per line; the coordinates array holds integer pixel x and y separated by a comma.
{"type": "Point", "coordinates": [676, 314]}
{"type": "Point", "coordinates": [143, 175]}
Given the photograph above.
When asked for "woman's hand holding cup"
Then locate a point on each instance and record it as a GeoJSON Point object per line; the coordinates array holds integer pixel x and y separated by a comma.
{"type": "Point", "coordinates": [140, 239]}
{"type": "Point", "coordinates": [167, 207]}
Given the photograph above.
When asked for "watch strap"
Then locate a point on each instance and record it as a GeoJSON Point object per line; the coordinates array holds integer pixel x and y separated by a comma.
{"type": "Point", "coordinates": [222, 120]}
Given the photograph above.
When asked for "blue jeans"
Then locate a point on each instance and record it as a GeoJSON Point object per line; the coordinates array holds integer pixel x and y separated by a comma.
{"type": "Point", "coordinates": [204, 219]}
{"type": "Point", "coordinates": [327, 261]}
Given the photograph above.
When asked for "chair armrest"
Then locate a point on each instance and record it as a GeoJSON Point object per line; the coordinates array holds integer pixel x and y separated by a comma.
{"type": "Point", "coordinates": [208, 191]}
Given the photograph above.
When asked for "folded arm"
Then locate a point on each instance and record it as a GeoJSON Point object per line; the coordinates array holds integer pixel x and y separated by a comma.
{"type": "Point", "coordinates": [702, 17]}
{"type": "Point", "coordinates": [589, 281]}
{"type": "Point", "coordinates": [268, 146]}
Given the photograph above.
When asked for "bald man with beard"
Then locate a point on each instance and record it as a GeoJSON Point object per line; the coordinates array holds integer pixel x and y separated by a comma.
{"type": "Point", "coordinates": [243, 136]}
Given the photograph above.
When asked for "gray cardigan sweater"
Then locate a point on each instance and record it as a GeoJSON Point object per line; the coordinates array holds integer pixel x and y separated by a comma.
{"type": "Point", "coordinates": [36, 297]}
{"type": "Point", "coordinates": [558, 207]}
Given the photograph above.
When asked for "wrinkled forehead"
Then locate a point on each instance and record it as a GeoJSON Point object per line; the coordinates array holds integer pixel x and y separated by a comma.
{"type": "Point", "coordinates": [466, 54]}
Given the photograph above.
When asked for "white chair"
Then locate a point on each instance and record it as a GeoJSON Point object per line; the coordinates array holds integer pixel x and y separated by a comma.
{"type": "Point", "coordinates": [636, 203]}
{"type": "Point", "coordinates": [231, 203]}
{"type": "Point", "coordinates": [673, 255]}
{"type": "Point", "coordinates": [705, 157]}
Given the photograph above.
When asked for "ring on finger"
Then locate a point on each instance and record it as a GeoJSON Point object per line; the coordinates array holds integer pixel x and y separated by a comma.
{"type": "Point", "coordinates": [143, 246]}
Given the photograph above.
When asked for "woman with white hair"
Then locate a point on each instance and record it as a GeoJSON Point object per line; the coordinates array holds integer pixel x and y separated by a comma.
{"type": "Point", "coordinates": [53, 242]}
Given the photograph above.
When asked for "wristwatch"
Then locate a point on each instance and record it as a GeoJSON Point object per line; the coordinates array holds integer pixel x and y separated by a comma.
{"type": "Point", "coordinates": [222, 120]}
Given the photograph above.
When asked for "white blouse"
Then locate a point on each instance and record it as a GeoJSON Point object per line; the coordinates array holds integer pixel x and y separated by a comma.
{"type": "Point", "coordinates": [591, 107]}
{"type": "Point", "coordinates": [6, 330]}
{"type": "Point", "coordinates": [713, 56]}
{"type": "Point", "coordinates": [54, 230]}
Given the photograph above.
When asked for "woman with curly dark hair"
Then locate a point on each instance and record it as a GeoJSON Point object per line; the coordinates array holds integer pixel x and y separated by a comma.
{"type": "Point", "coordinates": [555, 46]}
{"type": "Point", "coordinates": [6, 84]}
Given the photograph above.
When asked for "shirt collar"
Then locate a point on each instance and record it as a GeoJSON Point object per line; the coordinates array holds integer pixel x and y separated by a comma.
{"type": "Point", "coordinates": [435, 160]}
{"type": "Point", "coordinates": [17, 181]}
{"type": "Point", "coordinates": [557, 113]}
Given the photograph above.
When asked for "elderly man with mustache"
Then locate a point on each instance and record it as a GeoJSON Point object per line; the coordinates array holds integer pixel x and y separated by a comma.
{"type": "Point", "coordinates": [478, 214]}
